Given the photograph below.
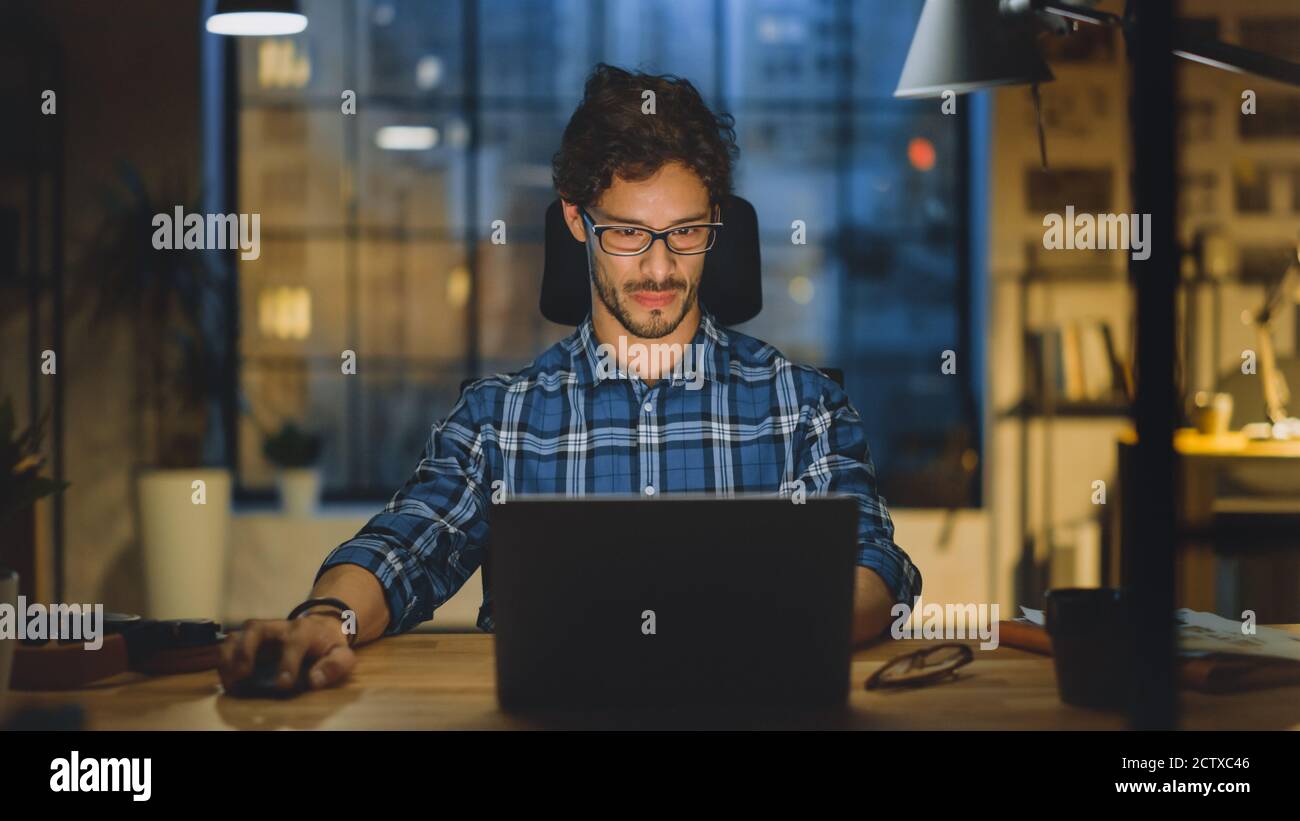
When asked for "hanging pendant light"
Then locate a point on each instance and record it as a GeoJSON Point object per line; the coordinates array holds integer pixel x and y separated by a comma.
{"type": "Point", "coordinates": [969, 45]}
{"type": "Point", "coordinates": [257, 18]}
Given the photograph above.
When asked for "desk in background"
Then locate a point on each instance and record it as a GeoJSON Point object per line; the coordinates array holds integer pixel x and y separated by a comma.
{"type": "Point", "coordinates": [1203, 580]}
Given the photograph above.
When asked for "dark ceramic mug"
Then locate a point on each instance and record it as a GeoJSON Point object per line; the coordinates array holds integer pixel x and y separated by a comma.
{"type": "Point", "coordinates": [1092, 646]}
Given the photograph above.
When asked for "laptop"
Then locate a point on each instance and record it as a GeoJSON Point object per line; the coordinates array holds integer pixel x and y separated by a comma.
{"type": "Point", "coordinates": [620, 602]}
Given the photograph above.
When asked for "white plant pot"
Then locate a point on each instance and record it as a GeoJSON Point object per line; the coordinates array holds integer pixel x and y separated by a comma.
{"type": "Point", "coordinates": [185, 539]}
{"type": "Point", "coordinates": [299, 490]}
{"type": "Point", "coordinates": [9, 596]}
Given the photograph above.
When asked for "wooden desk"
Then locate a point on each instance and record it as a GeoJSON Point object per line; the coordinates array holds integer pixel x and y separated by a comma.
{"type": "Point", "coordinates": [446, 682]}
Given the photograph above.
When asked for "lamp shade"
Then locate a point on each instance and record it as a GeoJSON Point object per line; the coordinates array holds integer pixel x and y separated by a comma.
{"type": "Point", "coordinates": [257, 18]}
{"type": "Point", "coordinates": [967, 45]}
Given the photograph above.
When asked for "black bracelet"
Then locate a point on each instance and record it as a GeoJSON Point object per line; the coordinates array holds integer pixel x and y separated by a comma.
{"type": "Point", "coordinates": [338, 604]}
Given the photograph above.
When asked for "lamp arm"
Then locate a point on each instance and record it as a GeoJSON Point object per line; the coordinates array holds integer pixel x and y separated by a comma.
{"type": "Point", "coordinates": [1276, 391]}
{"type": "Point", "coordinates": [1279, 294]}
{"type": "Point", "coordinates": [1203, 50]}
{"type": "Point", "coordinates": [1272, 380]}
{"type": "Point", "coordinates": [1013, 8]}
{"type": "Point", "coordinates": [1282, 291]}
{"type": "Point", "coordinates": [1223, 55]}
{"type": "Point", "coordinates": [1079, 14]}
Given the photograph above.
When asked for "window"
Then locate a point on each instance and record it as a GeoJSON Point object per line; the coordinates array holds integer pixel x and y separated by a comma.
{"type": "Point", "coordinates": [386, 252]}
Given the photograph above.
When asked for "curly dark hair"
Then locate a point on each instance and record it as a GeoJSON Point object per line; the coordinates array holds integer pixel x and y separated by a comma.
{"type": "Point", "coordinates": [608, 135]}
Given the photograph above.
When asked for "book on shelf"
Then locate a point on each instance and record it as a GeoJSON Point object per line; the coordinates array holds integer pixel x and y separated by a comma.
{"type": "Point", "coordinates": [1074, 363]}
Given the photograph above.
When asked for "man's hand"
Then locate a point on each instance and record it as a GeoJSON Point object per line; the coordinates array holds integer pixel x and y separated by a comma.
{"type": "Point", "coordinates": [317, 639]}
{"type": "Point", "coordinates": [872, 602]}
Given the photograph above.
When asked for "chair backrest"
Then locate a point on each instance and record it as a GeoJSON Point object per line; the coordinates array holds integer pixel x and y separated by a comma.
{"type": "Point", "coordinates": [732, 285]}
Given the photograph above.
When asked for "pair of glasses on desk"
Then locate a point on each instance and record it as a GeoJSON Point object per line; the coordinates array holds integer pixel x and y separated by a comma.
{"type": "Point", "coordinates": [922, 667]}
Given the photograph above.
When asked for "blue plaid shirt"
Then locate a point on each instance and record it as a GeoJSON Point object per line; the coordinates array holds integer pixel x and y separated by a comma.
{"type": "Point", "coordinates": [568, 424]}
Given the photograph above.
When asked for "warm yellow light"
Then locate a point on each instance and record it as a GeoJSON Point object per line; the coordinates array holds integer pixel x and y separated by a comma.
{"type": "Point", "coordinates": [458, 287]}
{"type": "Point", "coordinates": [284, 312]}
{"type": "Point", "coordinates": [280, 65]}
{"type": "Point", "coordinates": [801, 289]}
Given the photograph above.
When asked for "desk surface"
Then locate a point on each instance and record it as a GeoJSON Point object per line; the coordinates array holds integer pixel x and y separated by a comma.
{"type": "Point", "coordinates": [446, 681]}
{"type": "Point", "coordinates": [1188, 442]}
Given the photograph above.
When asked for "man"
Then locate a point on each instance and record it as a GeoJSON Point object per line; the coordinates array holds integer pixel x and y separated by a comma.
{"type": "Point", "coordinates": [641, 190]}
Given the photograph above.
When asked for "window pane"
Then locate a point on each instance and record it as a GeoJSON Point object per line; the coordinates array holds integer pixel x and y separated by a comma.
{"type": "Point", "coordinates": [294, 299]}
{"type": "Point", "coordinates": [788, 170]}
{"type": "Point", "coordinates": [412, 299]}
{"type": "Point", "coordinates": [368, 229]}
{"type": "Point", "coordinates": [311, 392]}
{"type": "Point", "coordinates": [903, 173]}
{"type": "Point", "coordinates": [294, 177]}
{"type": "Point", "coordinates": [663, 37]}
{"type": "Point", "coordinates": [512, 330]}
{"type": "Point", "coordinates": [786, 50]}
{"type": "Point", "coordinates": [881, 42]}
{"type": "Point", "coordinates": [533, 53]}
{"type": "Point", "coordinates": [514, 170]}
{"type": "Point", "coordinates": [412, 189]}
{"type": "Point", "coordinates": [299, 66]}
{"type": "Point", "coordinates": [399, 405]}
{"type": "Point", "coordinates": [799, 302]}
{"type": "Point", "coordinates": [410, 48]}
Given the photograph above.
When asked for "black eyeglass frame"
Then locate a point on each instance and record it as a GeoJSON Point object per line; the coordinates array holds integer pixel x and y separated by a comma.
{"type": "Point", "coordinates": [600, 228]}
{"type": "Point", "coordinates": [965, 655]}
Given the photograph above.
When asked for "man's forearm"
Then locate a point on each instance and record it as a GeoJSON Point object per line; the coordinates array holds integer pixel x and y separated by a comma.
{"type": "Point", "coordinates": [362, 592]}
{"type": "Point", "coordinates": [357, 586]}
{"type": "Point", "coordinates": [872, 602]}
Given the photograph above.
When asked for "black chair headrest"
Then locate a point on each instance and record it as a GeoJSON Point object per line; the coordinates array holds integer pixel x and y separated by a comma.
{"type": "Point", "coordinates": [732, 285]}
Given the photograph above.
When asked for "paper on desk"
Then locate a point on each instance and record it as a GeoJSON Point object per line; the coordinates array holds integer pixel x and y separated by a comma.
{"type": "Point", "coordinates": [1203, 633]}
{"type": "Point", "coordinates": [1215, 634]}
{"type": "Point", "coordinates": [1034, 616]}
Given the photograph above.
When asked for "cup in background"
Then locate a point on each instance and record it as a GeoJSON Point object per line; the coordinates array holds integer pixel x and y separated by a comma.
{"type": "Point", "coordinates": [1213, 413]}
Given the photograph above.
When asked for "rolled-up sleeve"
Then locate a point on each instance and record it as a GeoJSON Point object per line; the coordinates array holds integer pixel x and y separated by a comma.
{"type": "Point", "coordinates": [430, 537]}
{"type": "Point", "coordinates": [836, 460]}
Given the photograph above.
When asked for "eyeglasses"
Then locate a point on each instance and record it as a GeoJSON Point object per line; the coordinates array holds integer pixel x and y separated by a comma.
{"type": "Point", "coordinates": [922, 666]}
{"type": "Point", "coordinates": [630, 241]}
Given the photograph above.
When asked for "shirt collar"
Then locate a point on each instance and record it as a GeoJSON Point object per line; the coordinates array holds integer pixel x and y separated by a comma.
{"type": "Point", "coordinates": [710, 348]}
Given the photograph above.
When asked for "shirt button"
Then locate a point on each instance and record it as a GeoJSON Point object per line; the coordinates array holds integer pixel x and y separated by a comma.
{"type": "Point", "coordinates": [649, 490]}
{"type": "Point", "coordinates": [649, 407]}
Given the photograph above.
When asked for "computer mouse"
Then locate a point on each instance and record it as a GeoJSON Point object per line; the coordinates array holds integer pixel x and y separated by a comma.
{"type": "Point", "coordinates": [261, 682]}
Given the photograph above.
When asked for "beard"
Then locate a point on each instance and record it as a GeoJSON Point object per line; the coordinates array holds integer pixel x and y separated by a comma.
{"type": "Point", "coordinates": [657, 326]}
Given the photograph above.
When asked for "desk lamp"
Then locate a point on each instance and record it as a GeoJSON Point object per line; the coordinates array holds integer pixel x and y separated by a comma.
{"type": "Point", "coordinates": [962, 46]}
{"type": "Point", "coordinates": [1277, 394]}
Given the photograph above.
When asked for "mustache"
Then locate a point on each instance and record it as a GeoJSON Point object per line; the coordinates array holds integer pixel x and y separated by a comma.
{"type": "Point", "coordinates": [673, 284]}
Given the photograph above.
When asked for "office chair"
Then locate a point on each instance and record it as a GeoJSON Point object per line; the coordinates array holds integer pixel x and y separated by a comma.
{"type": "Point", "coordinates": [731, 288]}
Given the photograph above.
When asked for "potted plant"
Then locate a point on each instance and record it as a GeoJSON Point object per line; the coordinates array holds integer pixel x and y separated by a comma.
{"type": "Point", "coordinates": [170, 299]}
{"type": "Point", "coordinates": [21, 486]}
{"type": "Point", "coordinates": [295, 452]}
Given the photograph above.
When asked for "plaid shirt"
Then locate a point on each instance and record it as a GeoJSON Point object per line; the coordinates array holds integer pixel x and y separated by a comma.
{"type": "Point", "coordinates": [567, 424]}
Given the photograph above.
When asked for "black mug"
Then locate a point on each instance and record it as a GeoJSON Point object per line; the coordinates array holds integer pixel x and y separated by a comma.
{"type": "Point", "coordinates": [1093, 646]}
